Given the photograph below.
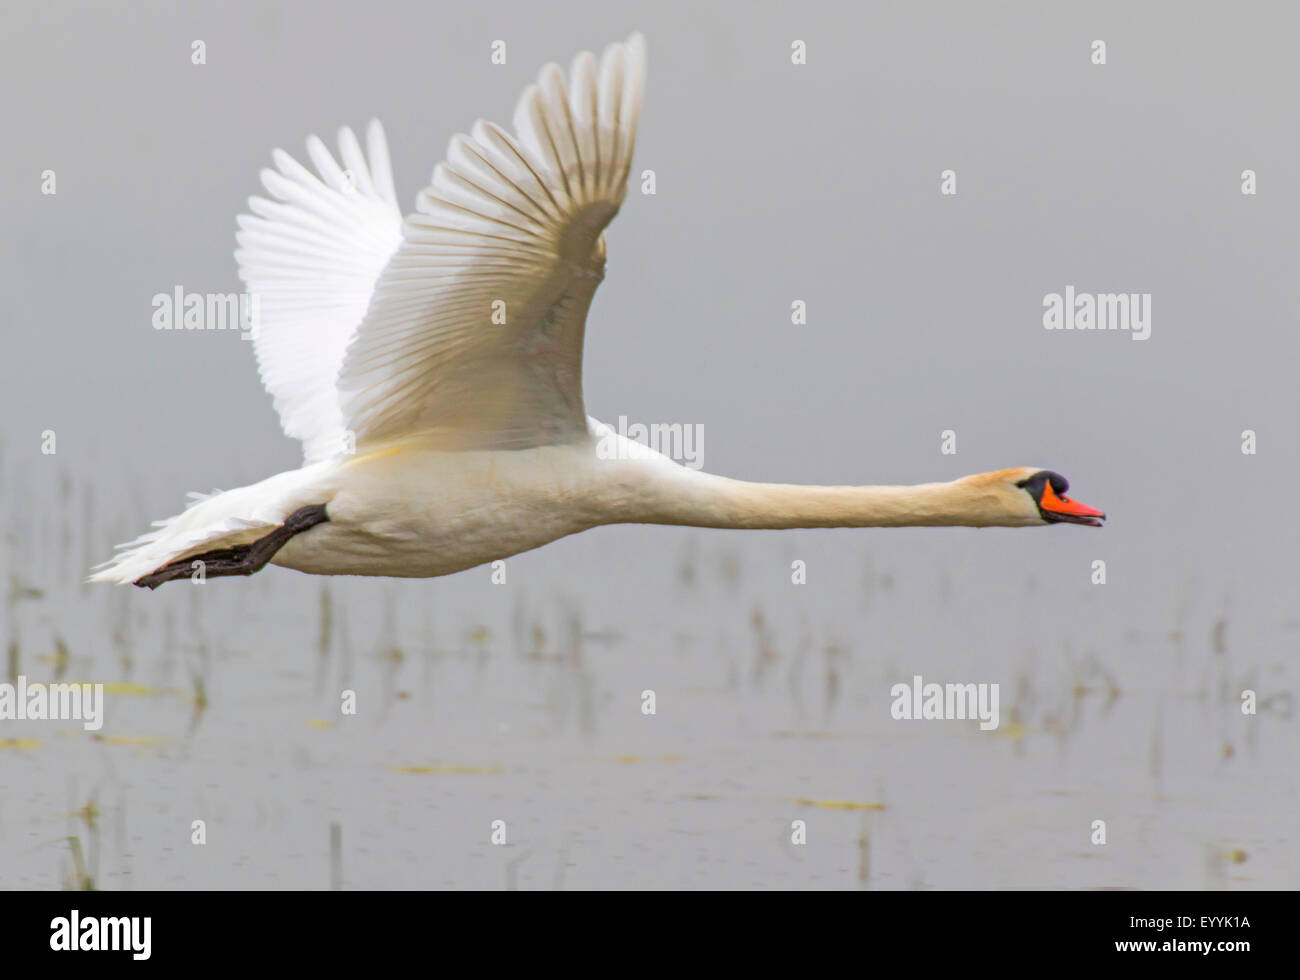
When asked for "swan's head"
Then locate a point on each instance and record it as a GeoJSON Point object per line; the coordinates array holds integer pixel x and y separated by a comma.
{"type": "Point", "coordinates": [1028, 495]}
{"type": "Point", "coordinates": [1048, 492]}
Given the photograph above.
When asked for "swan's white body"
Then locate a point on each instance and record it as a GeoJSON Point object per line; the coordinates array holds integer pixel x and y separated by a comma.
{"type": "Point", "coordinates": [411, 511]}
{"type": "Point", "coordinates": [432, 366]}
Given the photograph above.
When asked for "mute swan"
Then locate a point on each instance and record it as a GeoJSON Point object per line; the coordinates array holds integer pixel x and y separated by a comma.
{"type": "Point", "coordinates": [437, 437]}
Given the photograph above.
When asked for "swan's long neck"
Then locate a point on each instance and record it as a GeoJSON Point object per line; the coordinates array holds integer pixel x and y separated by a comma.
{"type": "Point", "coordinates": [688, 497]}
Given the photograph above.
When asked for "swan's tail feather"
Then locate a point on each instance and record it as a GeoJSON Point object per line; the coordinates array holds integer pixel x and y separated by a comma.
{"type": "Point", "coordinates": [209, 521]}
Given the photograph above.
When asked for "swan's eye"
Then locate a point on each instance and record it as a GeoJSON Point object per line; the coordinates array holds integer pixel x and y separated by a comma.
{"type": "Point", "coordinates": [1044, 478]}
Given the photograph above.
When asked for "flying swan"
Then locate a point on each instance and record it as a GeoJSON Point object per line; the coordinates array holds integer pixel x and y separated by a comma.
{"type": "Point", "coordinates": [432, 367]}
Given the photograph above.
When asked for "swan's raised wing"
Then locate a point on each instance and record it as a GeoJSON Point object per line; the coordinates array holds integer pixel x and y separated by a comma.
{"type": "Point", "coordinates": [473, 338]}
{"type": "Point", "coordinates": [311, 257]}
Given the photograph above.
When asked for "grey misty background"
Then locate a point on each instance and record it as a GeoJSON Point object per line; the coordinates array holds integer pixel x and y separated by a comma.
{"type": "Point", "coordinates": [775, 183]}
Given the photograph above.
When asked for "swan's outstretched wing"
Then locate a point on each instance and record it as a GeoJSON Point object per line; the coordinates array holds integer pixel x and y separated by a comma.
{"type": "Point", "coordinates": [474, 335]}
{"type": "Point", "coordinates": [311, 258]}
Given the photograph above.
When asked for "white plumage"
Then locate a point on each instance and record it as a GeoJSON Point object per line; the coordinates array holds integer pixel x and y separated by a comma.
{"type": "Point", "coordinates": [458, 328]}
{"type": "Point", "coordinates": [311, 257]}
{"type": "Point", "coordinates": [432, 365]}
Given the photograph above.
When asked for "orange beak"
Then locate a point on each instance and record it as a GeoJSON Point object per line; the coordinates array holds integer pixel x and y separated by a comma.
{"type": "Point", "coordinates": [1081, 513]}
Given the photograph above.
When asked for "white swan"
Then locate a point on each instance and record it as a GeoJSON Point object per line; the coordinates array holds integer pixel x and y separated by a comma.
{"type": "Point", "coordinates": [432, 367]}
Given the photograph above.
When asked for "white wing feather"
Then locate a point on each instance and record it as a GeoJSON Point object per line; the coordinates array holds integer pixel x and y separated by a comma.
{"type": "Point", "coordinates": [382, 328]}
{"type": "Point", "coordinates": [474, 335]}
{"type": "Point", "coordinates": [310, 258]}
